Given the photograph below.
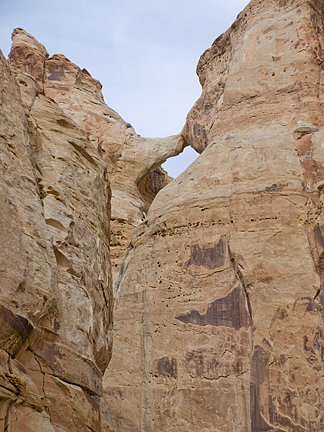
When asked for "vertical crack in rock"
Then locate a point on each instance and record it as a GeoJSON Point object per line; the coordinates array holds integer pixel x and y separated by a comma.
{"type": "Point", "coordinates": [239, 275]}
{"type": "Point", "coordinates": [123, 268]}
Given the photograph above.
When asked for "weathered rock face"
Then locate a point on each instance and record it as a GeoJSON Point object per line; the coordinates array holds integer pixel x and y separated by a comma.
{"type": "Point", "coordinates": [29, 56]}
{"type": "Point", "coordinates": [60, 143]}
{"type": "Point", "coordinates": [55, 278]}
{"type": "Point", "coordinates": [219, 308]}
{"type": "Point", "coordinates": [130, 159]}
{"type": "Point", "coordinates": [219, 295]}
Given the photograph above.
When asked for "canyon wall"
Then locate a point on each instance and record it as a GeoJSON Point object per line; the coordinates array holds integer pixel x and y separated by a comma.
{"type": "Point", "coordinates": [133, 163]}
{"type": "Point", "coordinates": [219, 307]}
{"type": "Point", "coordinates": [218, 274]}
{"type": "Point", "coordinates": [60, 143]}
{"type": "Point", "coordinates": [56, 287]}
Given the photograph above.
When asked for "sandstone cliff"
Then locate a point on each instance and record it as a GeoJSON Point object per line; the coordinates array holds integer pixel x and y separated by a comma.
{"type": "Point", "coordinates": [131, 160]}
{"type": "Point", "coordinates": [219, 307]}
{"type": "Point", "coordinates": [218, 293]}
{"type": "Point", "coordinates": [60, 142]}
{"type": "Point", "coordinates": [56, 287]}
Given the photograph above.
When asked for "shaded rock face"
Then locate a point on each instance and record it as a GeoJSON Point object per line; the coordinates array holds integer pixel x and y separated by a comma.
{"type": "Point", "coordinates": [55, 272]}
{"type": "Point", "coordinates": [219, 306]}
{"type": "Point", "coordinates": [133, 163]}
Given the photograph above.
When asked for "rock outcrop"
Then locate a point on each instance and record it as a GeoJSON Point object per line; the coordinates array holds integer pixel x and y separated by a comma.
{"type": "Point", "coordinates": [55, 274]}
{"type": "Point", "coordinates": [218, 274]}
{"type": "Point", "coordinates": [133, 163]}
{"type": "Point", "coordinates": [60, 142]}
{"type": "Point", "coordinates": [219, 307]}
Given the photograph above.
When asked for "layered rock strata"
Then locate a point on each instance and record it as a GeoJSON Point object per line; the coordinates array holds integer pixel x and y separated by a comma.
{"type": "Point", "coordinates": [219, 307]}
{"type": "Point", "coordinates": [133, 163]}
{"type": "Point", "coordinates": [55, 272]}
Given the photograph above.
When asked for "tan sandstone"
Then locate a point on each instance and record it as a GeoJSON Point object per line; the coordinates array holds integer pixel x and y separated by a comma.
{"type": "Point", "coordinates": [133, 162]}
{"type": "Point", "coordinates": [218, 293]}
{"type": "Point", "coordinates": [69, 141]}
{"type": "Point", "coordinates": [56, 288]}
{"type": "Point", "coordinates": [219, 307]}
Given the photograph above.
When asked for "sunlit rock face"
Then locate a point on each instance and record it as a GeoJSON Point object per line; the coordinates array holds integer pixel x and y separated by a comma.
{"type": "Point", "coordinates": [219, 304]}
{"type": "Point", "coordinates": [218, 291]}
{"type": "Point", "coordinates": [133, 163]}
{"type": "Point", "coordinates": [55, 271]}
{"type": "Point", "coordinates": [60, 143]}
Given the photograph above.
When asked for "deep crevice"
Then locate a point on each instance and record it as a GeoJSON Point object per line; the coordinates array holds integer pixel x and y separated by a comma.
{"type": "Point", "coordinates": [122, 269]}
{"type": "Point", "coordinates": [239, 275]}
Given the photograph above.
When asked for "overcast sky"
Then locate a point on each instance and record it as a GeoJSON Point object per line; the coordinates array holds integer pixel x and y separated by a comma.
{"type": "Point", "coordinates": [144, 52]}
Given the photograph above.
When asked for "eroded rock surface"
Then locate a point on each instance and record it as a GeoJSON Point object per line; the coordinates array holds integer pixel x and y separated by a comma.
{"type": "Point", "coordinates": [219, 294]}
{"type": "Point", "coordinates": [55, 275]}
{"type": "Point", "coordinates": [219, 308]}
{"type": "Point", "coordinates": [133, 163]}
{"type": "Point", "coordinates": [60, 144]}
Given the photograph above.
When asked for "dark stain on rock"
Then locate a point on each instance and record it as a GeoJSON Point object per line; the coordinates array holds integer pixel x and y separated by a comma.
{"type": "Point", "coordinates": [319, 237]}
{"type": "Point", "coordinates": [305, 130]}
{"type": "Point", "coordinates": [319, 345]}
{"type": "Point", "coordinates": [319, 262]}
{"type": "Point", "coordinates": [313, 170]}
{"type": "Point", "coordinates": [200, 135]}
{"type": "Point", "coordinates": [313, 307]}
{"type": "Point", "coordinates": [314, 350]}
{"type": "Point", "coordinates": [55, 75]}
{"type": "Point", "coordinates": [230, 311]}
{"type": "Point", "coordinates": [200, 131]}
{"type": "Point", "coordinates": [212, 257]}
{"type": "Point", "coordinates": [14, 331]}
{"type": "Point", "coordinates": [259, 367]}
{"type": "Point", "coordinates": [167, 367]}
{"type": "Point", "coordinates": [321, 298]}
{"type": "Point", "coordinates": [309, 350]}
{"type": "Point", "coordinates": [273, 188]}
{"type": "Point", "coordinates": [319, 241]}
{"type": "Point", "coordinates": [62, 88]}
{"type": "Point", "coordinates": [207, 363]}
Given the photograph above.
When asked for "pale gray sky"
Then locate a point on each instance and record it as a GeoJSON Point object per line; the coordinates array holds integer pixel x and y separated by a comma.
{"type": "Point", "coordinates": [144, 52]}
